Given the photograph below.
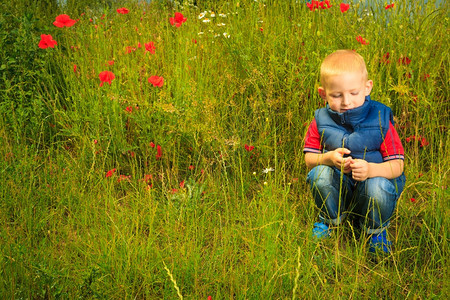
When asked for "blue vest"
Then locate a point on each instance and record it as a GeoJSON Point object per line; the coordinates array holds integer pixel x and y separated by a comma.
{"type": "Point", "coordinates": [361, 130]}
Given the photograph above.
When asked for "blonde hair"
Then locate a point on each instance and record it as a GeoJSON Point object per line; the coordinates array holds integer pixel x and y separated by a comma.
{"type": "Point", "coordinates": [342, 61]}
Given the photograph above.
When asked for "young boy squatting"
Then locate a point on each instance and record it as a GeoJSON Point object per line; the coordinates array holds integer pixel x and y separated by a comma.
{"type": "Point", "coordinates": [355, 135]}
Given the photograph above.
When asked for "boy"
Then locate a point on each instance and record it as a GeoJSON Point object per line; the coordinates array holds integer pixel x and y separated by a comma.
{"type": "Point", "coordinates": [353, 151]}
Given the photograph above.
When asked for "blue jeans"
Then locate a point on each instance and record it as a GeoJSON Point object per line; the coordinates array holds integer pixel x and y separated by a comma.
{"type": "Point", "coordinates": [372, 201]}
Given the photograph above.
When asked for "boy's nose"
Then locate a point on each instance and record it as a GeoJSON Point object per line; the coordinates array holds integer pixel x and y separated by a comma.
{"type": "Point", "coordinates": [345, 100]}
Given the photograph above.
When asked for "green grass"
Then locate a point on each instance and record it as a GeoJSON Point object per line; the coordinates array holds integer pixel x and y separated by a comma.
{"type": "Point", "coordinates": [222, 228]}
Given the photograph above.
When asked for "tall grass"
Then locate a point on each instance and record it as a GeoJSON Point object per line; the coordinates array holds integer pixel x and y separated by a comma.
{"type": "Point", "coordinates": [204, 219]}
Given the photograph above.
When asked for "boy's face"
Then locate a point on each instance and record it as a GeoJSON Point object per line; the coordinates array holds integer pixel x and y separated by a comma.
{"type": "Point", "coordinates": [345, 91]}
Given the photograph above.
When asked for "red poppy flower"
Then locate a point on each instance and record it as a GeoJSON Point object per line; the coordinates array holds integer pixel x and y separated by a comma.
{"type": "Point", "coordinates": [47, 41]}
{"type": "Point", "coordinates": [106, 76]}
{"type": "Point", "coordinates": [152, 144]}
{"type": "Point", "coordinates": [158, 152]}
{"type": "Point", "coordinates": [361, 40]}
{"type": "Point", "coordinates": [129, 109]}
{"type": "Point", "coordinates": [64, 20]}
{"type": "Point", "coordinates": [130, 49]}
{"type": "Point", "coordinates": [110, 62]}
{"type": "Point", "coordinates": [313, 5]}
{"type": "Point", "coordinates": [150, 47]}
{"type": "Point", "coordinates": [344, 7]}
{"type": "Point", "coordinates": [182, 184]}
{"type": "Point", "coordinates": [323, 3]}
{"type": "Point", "coordinates": [249, 148]}
{"type": "Point", "coordinates": [424, 142]}
{"type": "Point", "coordinates": [147, 178]}
{"type": "Point", "coordinates": [74, 68]}
{"type": "Point", "coordinates": [389, 6]}
{"type": "Point", "coordinates": [425, 77]}
{"type": "Point", "coordinates": [404, 60]}
{"type": "Point", "coordinates": [110, 172]}
{"type": "Point", "coordinates": [413, 200]}
{"type": "Point", "coordinates": [178, 19]}
{"type": "Point", "coordinates": [122, 10]}
{"type": "Point", "coordinates": [410, 138]}
{"type": "Point", "coordinates": [191, 167]}
{"type": "Point", "coordinates": [156, 80]}
{"type": "Point", "coordinates": [124, 177]}
{"type": "Point", "coordinates": [385, 58]}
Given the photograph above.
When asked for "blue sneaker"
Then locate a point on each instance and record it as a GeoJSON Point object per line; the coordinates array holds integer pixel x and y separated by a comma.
{"type": "Point", "coordinates": [380, 243]}
{"type": "Point", "coordinates": [321, 230]}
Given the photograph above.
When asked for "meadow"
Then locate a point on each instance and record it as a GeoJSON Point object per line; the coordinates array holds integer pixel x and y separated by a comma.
{"type": "Point", "coordinates": [151, 155]}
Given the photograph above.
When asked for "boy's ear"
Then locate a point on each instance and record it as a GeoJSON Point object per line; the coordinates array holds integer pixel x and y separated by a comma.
{"type": "Point", "coordinates": [369, 86]}
{"type": "Point", "coordinates": [322, 93]}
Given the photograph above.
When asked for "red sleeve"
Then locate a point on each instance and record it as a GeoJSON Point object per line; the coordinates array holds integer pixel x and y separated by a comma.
{"type": "Point", "coordinates": [312, 139]}
{"type": "Point", "coordinates": [392, 147]}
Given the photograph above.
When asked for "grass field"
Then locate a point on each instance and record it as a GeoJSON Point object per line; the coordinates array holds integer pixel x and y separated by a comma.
{"type": "Point", "coordinates": [192, 183]}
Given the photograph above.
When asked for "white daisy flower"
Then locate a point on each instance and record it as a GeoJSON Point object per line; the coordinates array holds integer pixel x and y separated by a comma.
{"type": "Point", "coordinates": [267, 170]}
{"type": "Point", "coordinates": [201, 15]}
{"type": "Point", "coordinates": [206, 20]}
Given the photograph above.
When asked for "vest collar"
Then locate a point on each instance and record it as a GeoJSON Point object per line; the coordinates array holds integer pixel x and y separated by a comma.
{"type": "Point", "coordinates": [353, 116]}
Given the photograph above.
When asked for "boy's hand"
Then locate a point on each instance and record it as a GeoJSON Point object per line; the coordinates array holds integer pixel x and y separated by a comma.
{"type": "Point", "coordinates": [339, 161]}
{"type": "Point", "coordinates": [360, 169]}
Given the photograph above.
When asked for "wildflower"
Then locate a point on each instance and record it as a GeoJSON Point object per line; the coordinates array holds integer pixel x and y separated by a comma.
{"type": "Point", "coordinates": [226, 35]}
{"type": "Point", "coordinates": [110, 62]}
{"type": "Point", "coordinates": [194, 41]}
{"type": "Point", "coordinates": [47, 41]}
{"type": "Point", "coordinates": [221, 24]}
{"type": "Point", "coordinates": [178, 19]}
{"type": "Point", "coordinates": [423, 142]}
{"type": "Point", "coordinates": [123, 177]}
{"type": "Point", "coordinates": [152, 144]}
{"type": "Point", "coordinates": [313, 5]}
{"type": "Point", "coordinates": [129, 109]}
{"type": "Point", "coordinates": [213, 15]}
{"type": "Point", "coordinates": [404, 60]}
{"type": "Point", "coordinates": [122, 10]}
{"type": "Point", "coordinates": [182, 184]}
{"type": "Point", "coordinates": [413, 200]}
{"type": "Point", "coordinates": [201, 15]}
{"type": "Point", "coordinates": [261, 29]}
{"type": "Point", "coordinates": [389, 6]}
{"type": "Point", "coordinates": [150, 47]}
{"type": "Point", "coordinates": [130, 49]}
{"type": "Point", "coordinates": [64, 20]}
{"type": "Point", "coordinates": [385, 58]}
{"type": "Point", "coordinates": [410, 138]}
{"type": "Point", "coordinates": [158, 152]}
{"type": "Point", "coordinates": [206, 20]}
{"type": "Point", "coordinates": [323, 3]}
{"type": "Point", "coordinates": [191, 167]}
{"type": "Point", "coordinates": [361, 40]}
{"type": "Point", "coordinates": [425, 77]}
{"type": "Point", "coordinates": [106, 76]}
{"type": "Point", "coordinates": [267, 170]}
{"type": "Point", "coordinates": [74, 68]}
{"type": "Point", "coordinates": [344, 7]}
{"type": "Point", "coordinates": [147, 178]}
{"type": "Point", "coordinates": [156, 80]}
{"type": "Point", "coordinates": [110, 173]}
{"type": "Point", "coordinates": [95, 142]}
{"type": "Point", "coordinates": [223, 15]}
{"type": "Point", "coordinates": [249, 148]}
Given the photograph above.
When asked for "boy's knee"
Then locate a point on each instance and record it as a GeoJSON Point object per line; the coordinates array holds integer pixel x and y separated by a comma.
{"type": "Point", "coordinates": [380, 189]}
{"type": "Point", "coordinates": [320, 176]}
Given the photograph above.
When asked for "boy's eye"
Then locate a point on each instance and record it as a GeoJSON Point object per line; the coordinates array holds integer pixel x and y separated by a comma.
{"type": "Point", "coordinates": [336, 96]}
{"type": "Point", "coordinates": [355, 93]}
